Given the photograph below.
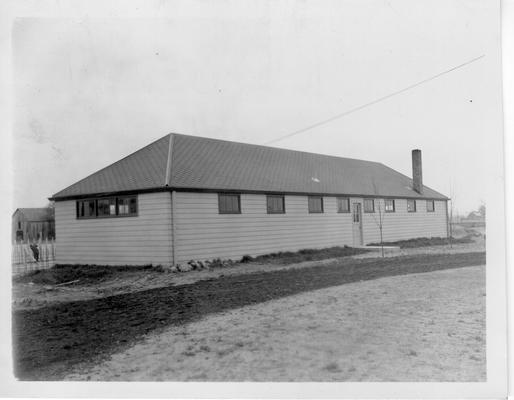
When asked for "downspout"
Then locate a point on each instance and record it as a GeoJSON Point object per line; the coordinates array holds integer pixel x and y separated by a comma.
{"type": "Point", "coordinates": [173, 234]}
{"type": "Point", "coordinates": [447, 220]}
{"type": "Point", "coordinates": [172, 198]}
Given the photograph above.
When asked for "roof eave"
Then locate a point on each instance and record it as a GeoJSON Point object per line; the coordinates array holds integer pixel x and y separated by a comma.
{"type": "Point", "coordinates": [247, 191]}
{"type": "Point", "coordinates": [57, 197]}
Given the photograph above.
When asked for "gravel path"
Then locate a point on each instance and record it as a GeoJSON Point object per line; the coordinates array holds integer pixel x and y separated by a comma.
{"type": "Point", "coordinates": [48, 341]}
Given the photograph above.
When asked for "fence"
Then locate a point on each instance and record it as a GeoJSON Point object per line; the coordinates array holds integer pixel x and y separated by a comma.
{"type": "Point", "coordinates": [27, 257]}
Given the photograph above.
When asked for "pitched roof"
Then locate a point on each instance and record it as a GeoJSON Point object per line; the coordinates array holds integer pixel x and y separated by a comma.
{"type": "Point", "coordinates": [37, 214]}
{"type": "Point", "coordinates": [192, 162]}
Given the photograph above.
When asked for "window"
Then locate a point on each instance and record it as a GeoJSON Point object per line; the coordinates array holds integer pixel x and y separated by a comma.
{"type": "Point", "coordinates": [19, 225]}
{"type": "Point", "coordinates": [356, 212]}
{"type": "Point", "coordinates": [343, 205]}
{"type": "Point", "coordinates": [389, 205]}
{"type": "Point", "coordinates": [411, 205]}
{"type": "Point", "coordinates": [430, 206]}
{"type": "Point", "coordinates": [275, 204]}
{"type": "Point", "coordinates": [315, 204]}
{"type": "Point", "coordinates": [107, 207]}
{"type": "Point", "coordinates": [229, 203]}
{"type": "Point", "coordinates": [369, 205]}
{"type": "Point", "coordinates": [86, 209]}
{"type": "Point", "coordinates": [127, 206]}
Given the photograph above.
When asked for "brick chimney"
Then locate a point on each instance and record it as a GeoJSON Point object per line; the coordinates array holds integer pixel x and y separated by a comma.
{"type": "Point", "coordinates": [417, 173]}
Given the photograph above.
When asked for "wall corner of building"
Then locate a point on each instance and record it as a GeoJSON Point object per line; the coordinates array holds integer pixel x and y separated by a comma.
{"type": "Point", "coordinates": [173, 232]}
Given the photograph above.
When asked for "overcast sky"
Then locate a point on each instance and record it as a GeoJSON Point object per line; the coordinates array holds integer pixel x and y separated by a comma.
{"type": "Point", "coordinates": [88, 92]}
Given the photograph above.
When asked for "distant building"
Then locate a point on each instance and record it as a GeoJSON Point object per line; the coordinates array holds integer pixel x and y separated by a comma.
{"type": "Point", "coordinates": [190, 198]}
{"type": "Point", "coordinates": [30, 224]}
{"type": "Point", "coordinates": [474, 218]}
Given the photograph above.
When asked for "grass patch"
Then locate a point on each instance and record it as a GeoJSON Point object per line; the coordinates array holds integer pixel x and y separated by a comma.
{"type": "Point", "coordinates": [291, 257]}
{"type": "Point", "coordinates": [63, 273]}
{"type": "Point", "coordinates": [425, 241]}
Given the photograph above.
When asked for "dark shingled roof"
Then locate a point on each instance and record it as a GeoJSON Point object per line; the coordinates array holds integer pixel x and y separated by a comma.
{"type": "Point", "coordinates": [36, 214]}
{"type": "Point", "coordinates": [191, 162]}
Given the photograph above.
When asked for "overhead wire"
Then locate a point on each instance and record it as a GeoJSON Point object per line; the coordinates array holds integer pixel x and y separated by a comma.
{"type": "Point", "coordinates": [378, 100]}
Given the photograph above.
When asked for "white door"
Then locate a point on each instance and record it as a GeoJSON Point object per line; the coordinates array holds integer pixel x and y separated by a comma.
{"type": "Point", "coordinates": [357, 224]}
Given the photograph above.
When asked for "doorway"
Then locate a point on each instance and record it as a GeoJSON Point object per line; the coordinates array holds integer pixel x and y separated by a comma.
{"type": "Point", "coordinates": [357, 224]}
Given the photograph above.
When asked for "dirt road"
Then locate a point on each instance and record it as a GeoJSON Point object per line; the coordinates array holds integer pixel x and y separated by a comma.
{"type": "Point", "coordinates": [48, 341]}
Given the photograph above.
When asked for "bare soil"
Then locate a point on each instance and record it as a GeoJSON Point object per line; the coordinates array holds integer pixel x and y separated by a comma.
{"type": "Point", "coordinates": [50, 287]}
{"type": "Point", "coordinates": [396, 328]}
{"type": "Point", "coordinates": [48, 341]}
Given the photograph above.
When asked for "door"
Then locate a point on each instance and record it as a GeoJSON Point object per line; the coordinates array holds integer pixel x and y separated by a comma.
{"type": "Point", "coordinates": [357, 224]}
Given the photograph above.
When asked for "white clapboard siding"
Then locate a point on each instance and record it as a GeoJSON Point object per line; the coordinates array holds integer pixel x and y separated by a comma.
{"type": "Point", "coordinates": [401, 224]}
{"type": "Point", "coordinates": [202, 233]}
{"type": "Point", "coordinates": [140, 240]}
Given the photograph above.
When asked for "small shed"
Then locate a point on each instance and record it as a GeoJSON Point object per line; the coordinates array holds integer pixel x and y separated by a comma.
{"type": "Point", "coordinates": [31, 224]}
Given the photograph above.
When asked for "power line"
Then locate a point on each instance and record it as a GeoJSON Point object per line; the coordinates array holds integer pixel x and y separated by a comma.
{"type": "Point", "coordinates": [352, 110]}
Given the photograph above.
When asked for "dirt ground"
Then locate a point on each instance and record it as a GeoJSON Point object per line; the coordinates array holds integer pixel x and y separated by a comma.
{"type": "Point", "coordinates": [397, 328]}
{"type": "Point", "coordinates": [48, 341]}
{"type": "Point", "coordinates": [32, 296]}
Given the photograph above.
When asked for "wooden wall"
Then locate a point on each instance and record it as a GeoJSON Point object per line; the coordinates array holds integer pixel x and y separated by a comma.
{"type": "Point", "coordinates": [139, 240]}
{"type": "Point", "coordinates": [202, 233]}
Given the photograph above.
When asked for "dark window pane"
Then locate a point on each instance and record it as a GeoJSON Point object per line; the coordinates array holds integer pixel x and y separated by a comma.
{"type": "Point", "coordinates": [106, 207]}
{"type": "Point", "coordinates": [369, 205]}
{"type": "Point", "coordinates": [430, 206]}
{"type": "Point", "coordinates": [275, 204]}
{"type": "Point", "coordinates": [315, 204]}
{"type": "Point", "coordinates": [411, 205]}
{"type": "Point", "coordinates": [229, 203]}
{"type": "Point", "coordinates": [133, 205]}
{"type": "Point", "coordinates": [86, 209]}
{"type": "Point", "coordinates": [343, 204]}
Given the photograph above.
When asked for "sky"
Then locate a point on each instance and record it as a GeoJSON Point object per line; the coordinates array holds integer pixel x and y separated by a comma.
{"type": "Point", "coordinates": [90, 91]}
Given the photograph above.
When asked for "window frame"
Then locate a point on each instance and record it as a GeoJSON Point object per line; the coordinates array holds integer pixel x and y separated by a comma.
{"type": "Point", "coordinates": [372, 200]}
{"type": "Point", "coordinates": [276, 196]}
{"type": "Point", "coordinates": [413, 201]}
{"type": "Point", "coordinates": [106, 215]}
{"type": "Point", "coordinates": [340, 199]}
{"type": "Point", "coordinates": [311, 211]}
{"type": "Point", "coordinates": [238, 203]}
{"type": "Point", "coordinates": [77, 205]}
{"type": "Point", "coordinates": [433, 205]}
{"type": "Point", "coordinates": [129, 214]}
{"type": "Point", "coordinates": [385, 206]}
{"type": "Point", "coordinates": [115, 215]}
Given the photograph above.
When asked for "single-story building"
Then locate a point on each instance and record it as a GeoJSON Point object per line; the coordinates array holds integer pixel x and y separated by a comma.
{"type": "Point", "coordinates": [32, 224]}
{"type": "Point", "coordinates": [473, 219]}
{"type": "Point", "coordinates": [187, 198]}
